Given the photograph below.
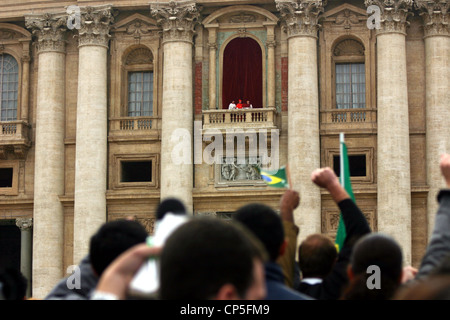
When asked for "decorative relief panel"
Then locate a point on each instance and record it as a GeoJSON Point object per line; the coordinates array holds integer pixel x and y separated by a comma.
{"type": "Point", "coordinates": [330, 220]}
{"type": "Point", "coordinates": [233, 173]}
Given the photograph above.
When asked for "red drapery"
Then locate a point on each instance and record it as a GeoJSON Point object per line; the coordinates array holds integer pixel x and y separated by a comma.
{"type": "Point", "coordinates": [242, 72]}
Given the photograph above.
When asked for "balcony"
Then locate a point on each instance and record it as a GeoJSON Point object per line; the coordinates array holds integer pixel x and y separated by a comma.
{"type": "Point", "coordinates": [134, 128]}
{"type": "Point", "coordinates": [363, 119]}
{"type": "Point", "coordinates": [257, 118]}
{"type": "Point", "coordinates": [14, 137]}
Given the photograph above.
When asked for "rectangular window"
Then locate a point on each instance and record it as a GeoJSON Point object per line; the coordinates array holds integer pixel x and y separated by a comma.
{"type": "Point", "coordinates": [6, 177]}
{"type": "Point", "coordinates": [357, 164]}
{"type": "Point", "coordinates": [140, 94]}
{"type": "Point", "coordinates": [350, 85]}
{"type": "Point", "coordinates": [136, 171]}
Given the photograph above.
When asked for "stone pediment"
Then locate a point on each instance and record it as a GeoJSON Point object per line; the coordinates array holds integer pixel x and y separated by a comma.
{"type": "Point", "coordinates": [136, 24]}
{"type": "Point", "coordinates": [345, 15]}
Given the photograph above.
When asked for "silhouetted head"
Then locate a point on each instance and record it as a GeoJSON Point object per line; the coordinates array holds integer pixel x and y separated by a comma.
{"type": "Point", "coordinates": [376, 259]}
{"type": "Point", "coordinates": [266, 224]}
{"type": "Point", "coordinates": [316, 256]}
{"type": "Point", "coordinates": [207, 258]}
{"type": "Point", "coordinates": [112, 239]}
{"type": "Point", "coordinates": [172, 205]}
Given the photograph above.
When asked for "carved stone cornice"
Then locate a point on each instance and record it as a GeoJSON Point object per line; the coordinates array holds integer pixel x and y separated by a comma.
{"type": "Point", "coordinates": [49, 29]}
{"type": "Point", "coordinates": [24, 224]}
{"type": "Point", "coordinates": [393, 14]}
{"type": "Point", "coordinates": [300, 17]}
{"type": "Point", "coordinates": [177, 19]}
{"type": "Point", "coordinates": [95, 26]}
{"type": "Point", "coordinates": [435, 16]}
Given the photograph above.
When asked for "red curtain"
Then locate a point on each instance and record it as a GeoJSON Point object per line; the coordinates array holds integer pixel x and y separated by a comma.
{"type": "Point", "coordinates": [242, 73]}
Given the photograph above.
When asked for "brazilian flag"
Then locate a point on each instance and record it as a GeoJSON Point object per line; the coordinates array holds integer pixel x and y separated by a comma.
{"type": "Point", "coordinates": [276, 179]}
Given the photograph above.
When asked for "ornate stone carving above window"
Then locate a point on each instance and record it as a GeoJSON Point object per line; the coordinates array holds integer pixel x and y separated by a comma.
{"type": "Point", "coordinates": [349, 47]}
{"type": "Point", "coordinates": [139, 56]}
{"type": "Point", "coordinates": [242, 18]}
{"type": "Point", "coordinates": [347, 18]}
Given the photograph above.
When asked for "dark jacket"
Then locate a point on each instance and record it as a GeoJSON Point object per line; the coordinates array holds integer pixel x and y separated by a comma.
{"type": "Point", "coordinates": [332, 285]}
{"type": "Point", "coordinates": [88, 282]}
{"type": "Point", "coordinates": [439, 247]}
{"type": "Point", "coordinates": [276, 289]}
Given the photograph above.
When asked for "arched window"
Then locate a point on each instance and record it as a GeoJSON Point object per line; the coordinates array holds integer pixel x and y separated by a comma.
{"type": "Point", "coordinates": [242, 72]}
{"type": "Point", "coordinates": [350, 75]}
{"type": "Point", "coordinates": [139, 75]}
{"type": "Point", "coordinates": [9, 82]}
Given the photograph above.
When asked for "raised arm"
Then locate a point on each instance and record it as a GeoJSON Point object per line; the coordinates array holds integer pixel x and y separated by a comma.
{"type": "Point", "coordinates": [288, 203]}
{"type": "Point", "coordinates": [355, 224]}
{"type": "Point", "coordinates": [354, 220]}
{"type": "Point", "coordinates": [439, 246]}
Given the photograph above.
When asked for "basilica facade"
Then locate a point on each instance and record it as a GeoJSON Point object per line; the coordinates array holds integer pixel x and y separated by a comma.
{"type": "Point", "coordinates": [108, 107]}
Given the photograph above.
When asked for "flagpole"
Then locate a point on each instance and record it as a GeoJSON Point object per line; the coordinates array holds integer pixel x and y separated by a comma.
{"type": "Point", "coordinates": [341, 157]}
{"type": "Point", "coordinates": [289, 176]}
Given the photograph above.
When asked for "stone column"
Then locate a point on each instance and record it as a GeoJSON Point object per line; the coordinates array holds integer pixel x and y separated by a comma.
{"type": "Point", "coordinates": [437, 63]}
{"type": "Point", "coordinates": [25, 226]}
{"type": "Point", "coordinates": [271, 43]}
{"type": "Point", "coordinates": [91, 130]}
{"type": "Point", "coordinates": [212, 45]}
{"type": "Point", "coordinates": [177, 20]}
{"type": "Point", "coordinates": [301, 24]}
{"type": "Point", "coordinates": [25, 81]}
{"type": "Point", "coordinates": [49, 152]}
{"type": "Point", "coordinates": [393, 180]}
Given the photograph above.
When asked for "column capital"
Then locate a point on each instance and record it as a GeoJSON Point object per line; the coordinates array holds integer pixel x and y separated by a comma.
{"type": "Point", "coordinates": [24, 224]}
{"type": "Point", "coordinates": [435, 16]}
{"type": "Point", "coordinates": [301, 17]}
{"type": "Point", "coordinates": [271, 44]}
{"type": "Point", "coordinates": [177, 19]}
{"type": "Point", "coordinates": [94, 25]}
{"type": "Point", "coordinates": [212, 45]}
{"type": "Point", "coordinates": [393, 14]}
{"type": "Point", "coordinates": [49, 28]}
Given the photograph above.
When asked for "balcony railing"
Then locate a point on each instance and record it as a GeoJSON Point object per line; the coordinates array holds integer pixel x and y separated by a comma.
{"type": "Point", "coordinates": [127, 127]}
{"type": "Point", "coordinates": [14, 132]}
{"type": "Point", "coordinates": [363, 118]}
{"type": "Point", "coordinates": [241, 118]}
{"type": "Point", "coordinates": [15, 138]}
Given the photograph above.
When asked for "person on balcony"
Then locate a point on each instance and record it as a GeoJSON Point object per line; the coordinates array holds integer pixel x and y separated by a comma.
{"type": "Point", "coordinates": [232, 106]}
{"type": "Point", "coordinates": [248, 105]}
{"type": "Point", "coordinates": [240, 104]}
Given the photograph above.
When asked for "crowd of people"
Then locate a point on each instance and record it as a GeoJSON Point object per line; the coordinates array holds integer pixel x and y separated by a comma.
{"type": "Point", "coordinates": [255, 256]}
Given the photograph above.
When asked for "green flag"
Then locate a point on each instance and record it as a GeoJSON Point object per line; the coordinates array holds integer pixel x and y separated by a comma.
{"type": "Point", "coordinates": [276, 179]}
{"type": "Point", "coordinates": [346, 184]}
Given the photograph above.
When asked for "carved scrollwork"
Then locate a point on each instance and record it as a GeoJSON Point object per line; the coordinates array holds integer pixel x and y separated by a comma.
{"type": "Point", "coordinates": [300, 17]}
{"type": "Point", "coordinates": [177, 19]}
{"type": "Point", "coordinates": [24, 223]}
{"type": "Point", "coordinates": [435, 16]}
{"type": "Point", "coordinates": [394, 14]}
{"type": "Point", "coordinates": [95, 25]}
{"type": "Point", "coordinates": [49, 29]}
